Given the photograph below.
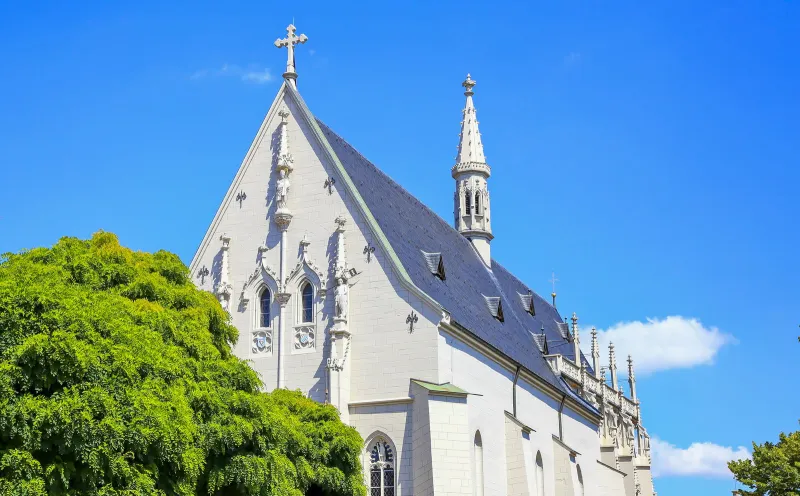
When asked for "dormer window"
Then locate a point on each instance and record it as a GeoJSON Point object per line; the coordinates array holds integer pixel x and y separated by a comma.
{"type": "Point", "coordinates": [435, 263]}
{"type": "Point", "coordinates": [527, 302]}
{"type": "Point", "coordinates": [495, 305]}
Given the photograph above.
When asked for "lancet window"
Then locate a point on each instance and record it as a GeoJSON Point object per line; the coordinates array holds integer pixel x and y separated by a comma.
{"type": "Point", "coordinates": [264, 302]}
{"type": "Point", "coordinates": [381, 468]}
{"type": "Point", "coordinates": [307, 303]}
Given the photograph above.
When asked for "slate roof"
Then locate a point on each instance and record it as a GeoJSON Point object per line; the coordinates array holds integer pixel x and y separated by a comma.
{"type": "Point", "coordinates": [411, 228]}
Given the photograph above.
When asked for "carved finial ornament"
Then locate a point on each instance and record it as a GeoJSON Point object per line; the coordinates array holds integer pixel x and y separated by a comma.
{"type": "Point", "coordinates": [289, 42]}
{"type": "Point", "coordinates": [469, 83]}
{"type": "Point", "coordinates": [553, 281]}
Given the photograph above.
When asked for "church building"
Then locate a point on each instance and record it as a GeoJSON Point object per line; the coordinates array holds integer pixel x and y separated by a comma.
{"type": "Point", "coordinates": [459, 377]}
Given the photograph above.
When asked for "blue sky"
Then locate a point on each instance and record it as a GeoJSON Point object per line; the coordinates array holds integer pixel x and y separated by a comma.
{"type": "Point", "coordinates": [647, 152]}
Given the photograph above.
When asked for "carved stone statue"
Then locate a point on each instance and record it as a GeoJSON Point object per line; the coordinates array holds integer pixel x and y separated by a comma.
{"type": "Point", "coordinates": [282, 189]}
{"type": "Point", "coordinates": [611, 419]}
{"type": "Point", "coordinates": [341, 298]}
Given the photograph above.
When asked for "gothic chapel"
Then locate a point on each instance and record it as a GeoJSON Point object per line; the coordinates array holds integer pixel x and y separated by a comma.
{"type": "Point", "coordinates": [460, 378]}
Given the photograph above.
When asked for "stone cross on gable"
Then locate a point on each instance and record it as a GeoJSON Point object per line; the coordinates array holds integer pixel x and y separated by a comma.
{"type": "Point", "coordinates": [289, 42]}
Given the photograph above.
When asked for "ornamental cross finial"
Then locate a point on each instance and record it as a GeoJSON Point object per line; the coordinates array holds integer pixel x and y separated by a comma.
{"type": "Point", "coordinates": [289, 42]}
{"type": "Point", "coordinates": [553, 280]}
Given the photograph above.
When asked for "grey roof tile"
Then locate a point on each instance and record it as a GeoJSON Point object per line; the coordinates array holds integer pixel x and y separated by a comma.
{"type": "Point", "coordinates": [411, 228]}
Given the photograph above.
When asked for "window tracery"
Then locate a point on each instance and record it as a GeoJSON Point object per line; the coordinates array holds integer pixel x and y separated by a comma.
{"type": "Point", "coordinates": [262, 334]}
{"type": "Point", "coordinates": [381, 468]}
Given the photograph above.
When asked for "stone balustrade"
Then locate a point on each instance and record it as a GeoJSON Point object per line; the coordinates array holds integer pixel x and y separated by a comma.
{"type": "Point", "coordinates": [593, 388]}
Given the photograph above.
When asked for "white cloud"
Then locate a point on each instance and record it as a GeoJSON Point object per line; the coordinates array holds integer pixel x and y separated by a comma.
{"type": "Point", "coordinates": [660, 344]}
{"type": "Point", "coordinates": [699, 459]}
{"type": "Point", "coordinates": [252, 74]}
{"type": "Point", "coordinates": [258, 77]}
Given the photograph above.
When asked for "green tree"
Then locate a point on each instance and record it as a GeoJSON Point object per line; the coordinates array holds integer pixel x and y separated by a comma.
{"type": "Point", "coordinates": [774, 469]}
{"type": "Point", "coordinates": [116, 377]}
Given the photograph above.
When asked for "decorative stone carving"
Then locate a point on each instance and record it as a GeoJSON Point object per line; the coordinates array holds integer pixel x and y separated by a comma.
{"type": "Point", "coordinates": [224, 288]}
{"type": "Point", "coordinates": [262, 342]}
{"type": "Point", "coordinates": [304, 337]}
{"type": "Point", "coordinates": [412, 319]}
{"type": "Point", "coordinates": [283, 217]}
{"type": "Point", "coordinates": [262, 267]}
{"type": "Point", "coordinates": [202, 274]}
{"type": "Point", "coordinates": [282, 189]}
{"type": "Point", "coordinates": [335, 363]}
{"type": "Point", "coordinates": [341, 293]}
{"type": "Point", "coordinates": [283, 298]}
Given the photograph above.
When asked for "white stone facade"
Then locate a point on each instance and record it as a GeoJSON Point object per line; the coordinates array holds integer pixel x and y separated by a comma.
{"type": "Point", "coordinates": [441, 413]}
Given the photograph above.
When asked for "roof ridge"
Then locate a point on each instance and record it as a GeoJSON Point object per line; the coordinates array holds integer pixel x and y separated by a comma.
{"type": "Point", "coordinates": [397, 185]}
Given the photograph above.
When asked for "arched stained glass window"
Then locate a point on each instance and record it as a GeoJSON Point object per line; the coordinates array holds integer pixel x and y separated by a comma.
{"type": "Point", "coordinates": [307, 303]}
{"type": "Point", "coordinates": [265, 300]}
{"type": "Point", "coordinates": [381, 468]}
{"type": "Point", "coordinates": [539, 474]}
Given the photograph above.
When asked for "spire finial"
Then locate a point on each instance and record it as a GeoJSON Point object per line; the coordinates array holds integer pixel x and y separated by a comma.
{"type": "Point", "coordinates": [289, 42]}
{"type": "Point", "coordinates": [469, 83]}
{"type": "Point", "coordinates": [576, 340]}
{"type": "Point", "coordinates": [595, 353]}
{"type": "Point", "coordinates": [553, 280]}
{"type": "Point", "coordinates": [612, 366]}
{"type": "Point", "coordinates": [631, 378]}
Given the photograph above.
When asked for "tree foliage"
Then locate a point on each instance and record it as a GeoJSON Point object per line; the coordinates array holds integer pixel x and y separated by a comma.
{"type": "Point", "coordinates": [116, 377]}
{"type": "Point", "coordinates": [774, 469]}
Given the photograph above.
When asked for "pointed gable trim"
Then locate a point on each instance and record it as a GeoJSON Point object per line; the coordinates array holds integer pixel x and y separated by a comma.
{"type": "Point", "coordinates": [350, 186]}
{"type": "Point", "coordinates": [229, 197]}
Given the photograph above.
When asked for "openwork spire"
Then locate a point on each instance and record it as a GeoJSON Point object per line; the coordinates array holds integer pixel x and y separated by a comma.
{"type": "Point", "coordinates": [470, 148]}
{"type": "Point", "coordinates": [472, 208]}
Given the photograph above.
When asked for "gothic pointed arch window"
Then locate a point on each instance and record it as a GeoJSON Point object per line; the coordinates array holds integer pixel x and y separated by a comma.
{"type": "Point", "coordinates": [539, 474]}
{"type": "Point", "coordinates": [478, 203]}
{"type": "Point", "coordinates": [306, 302]}
{"type": "Point", "coordinates": [264, 303]}
{"type": "Point", "coordinates": [478, 467]}
{"type": "Point", "coordinates": [468, 202]}
{"type": "Point", "coordinates": [381, 467]}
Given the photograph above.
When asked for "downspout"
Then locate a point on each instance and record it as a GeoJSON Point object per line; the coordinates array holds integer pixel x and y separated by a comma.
{"type": "Point", "coordinates": [560, 410]}
{"type": "Point", "coordinates": [514, 391]}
